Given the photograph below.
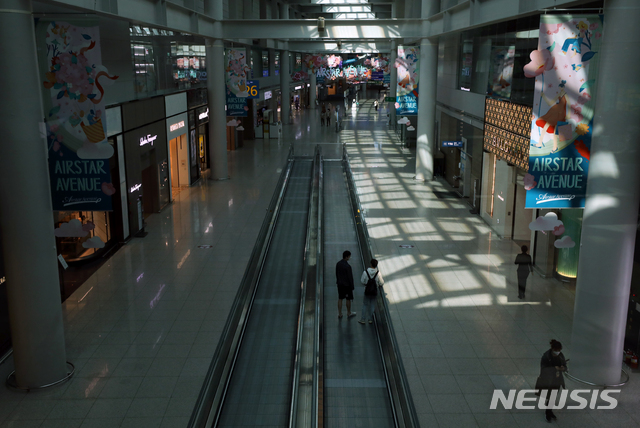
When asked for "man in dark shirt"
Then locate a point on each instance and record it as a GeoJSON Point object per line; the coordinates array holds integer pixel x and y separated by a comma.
{"type": "Point", "coordinates": [523, 260]}
{"type": "Point", "coordinates": [344, 279]}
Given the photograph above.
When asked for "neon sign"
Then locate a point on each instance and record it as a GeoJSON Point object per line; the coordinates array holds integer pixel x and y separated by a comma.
{"type": "Point", "coordinates": [350, 72]}
{"type": "Point", "coordinates": [176, 126]}
{"type": "Point", "coordinates": [134, 188]}
{"type": "Point", "coordinates": [149, 139]}
{"type": "Point", "coordinates": [203, 115]}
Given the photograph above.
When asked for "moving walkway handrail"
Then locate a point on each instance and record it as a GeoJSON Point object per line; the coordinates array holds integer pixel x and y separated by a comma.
{"type": "Point", "coordinates": [209, 403]}
{"type": "Point", "coordinates": [401, 402]}
{"type": "Point", "coordinates": [304, 397]}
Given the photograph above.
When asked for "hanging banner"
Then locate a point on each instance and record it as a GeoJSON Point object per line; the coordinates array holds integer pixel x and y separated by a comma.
{"type": "Point", "coordinates": [408, 66]}
{"type": "Point", "coordinates": [236, 71]}
{"type": "Point", "coordinates": [501, 72]}
{"type": "Point", "coordinates": [565, 67]}
{"type": "Point", "coordinates": [236, 106]}
{"type": "Point", "coordinates": [75, 119]}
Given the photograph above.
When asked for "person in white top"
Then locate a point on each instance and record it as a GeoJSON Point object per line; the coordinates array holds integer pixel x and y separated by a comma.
{"type": "Point", "coordinates": [372, 280]}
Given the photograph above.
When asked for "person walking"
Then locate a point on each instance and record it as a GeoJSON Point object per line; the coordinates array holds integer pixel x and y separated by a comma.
{"type": "Point", "coordinates": [375, 104]}
{"type": "Point", "coordinates": [323, 113]}
{"type": "Point", "coordinates": [372, 280]}
{"type": "Point", "coordinates": [344, 280]}
{"type": "Point", "coordinates": [552, 365]}
{"type": "Point", "coordinates": [523, 260]}
{"type": "Point", "coordinates": [329, 115]}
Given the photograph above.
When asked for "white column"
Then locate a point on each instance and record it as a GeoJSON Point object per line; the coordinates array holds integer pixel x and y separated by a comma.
{"type": "Point", "coordinates": [611, 211]}
{"type": "Point", "coordinates": [284, 85]}
{"type": "Point", "coordinates": [312, 87]}
{"type": "Point", "coordinates": [284, 11]}
{"type": "Point", "coordinates": [426, 109]}
{"type": "Point", "coordinates": [33, 289]}
{"type": "Point", "coordinates": [216, 91]}
{"type": "Point", "coordinates": [393, 81]}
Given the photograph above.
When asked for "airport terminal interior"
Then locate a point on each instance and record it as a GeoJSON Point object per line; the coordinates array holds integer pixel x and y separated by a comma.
{"type": "Point", "coordinates": [171, 258]}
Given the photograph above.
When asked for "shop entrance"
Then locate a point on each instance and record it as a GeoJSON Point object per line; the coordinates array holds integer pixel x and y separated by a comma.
{"type": "Point", "coordinates": [179, 164]}
{"type": "Point", "coordinates": [203, 149]}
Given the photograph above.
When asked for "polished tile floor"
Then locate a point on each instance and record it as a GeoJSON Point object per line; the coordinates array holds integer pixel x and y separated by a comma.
{"type": "Point", "coordinates": [142, 330]}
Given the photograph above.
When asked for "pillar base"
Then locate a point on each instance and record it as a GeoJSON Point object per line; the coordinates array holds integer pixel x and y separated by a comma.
{"type": "Point", "coordinates": [624, 375]}
{"type": "Point", "coordinates": [11, 380]}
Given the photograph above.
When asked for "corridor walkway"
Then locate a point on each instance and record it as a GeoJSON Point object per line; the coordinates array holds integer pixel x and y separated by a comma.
{"type": "Point", "coordinates": [141, 332]}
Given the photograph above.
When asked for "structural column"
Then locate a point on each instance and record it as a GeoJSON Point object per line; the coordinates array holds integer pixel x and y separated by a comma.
{"type": "Point", "coordinates": [426, 109]}
{"type": "Point", "coordinates": [312, 86]}
{"type": "Point", "coordinates": [285, 107]}
{"type": "Point", "coordinates": [611, 212]}
{"type": "Point", "coordinates": [393, 82]}
{"type": "Point", "coordinates": [216, 91]}
{"type": "Point", "coordinates": [284, 85]}
{"type": "Point", "coordinates": [33, 290]}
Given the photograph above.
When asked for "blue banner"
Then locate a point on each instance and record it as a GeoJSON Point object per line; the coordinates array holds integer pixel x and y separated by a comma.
{"type": "Point", "coordinates": [253, 89]}
{"type": "Point", "coordinates": [565, 67]}
{"type": "Point", "coordinates": [236, 106]}
{"type": "Point", "coordinates": [408, 66]}
{"type": "Point", "coordinates": [452, 144]}
{"type": "Point", "coordinates": [79, 184]}
{"type": "Point", "coordinates": [77, 144]}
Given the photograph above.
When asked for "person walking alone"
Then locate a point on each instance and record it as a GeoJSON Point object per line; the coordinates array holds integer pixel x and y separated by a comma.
{"type": "Point", "coordinates": [552, 365]}
{"type": "Point", "coordinates": [329, 115]}
{"type": "Point", "coordinates": [375, 104]}
{"type": "Point", "coordinates": [523, 260]}
{"type": "Point", "coordinates": [344, 280]}
{"type": "Point", "coordinates": [372, 281]}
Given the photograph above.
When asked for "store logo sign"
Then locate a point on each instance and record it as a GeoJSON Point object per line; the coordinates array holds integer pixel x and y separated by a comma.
{"type": "Point", "coordinates": [267, 95]}
{"type": "Point", "coordinates": [176, 126]}
{"type": "Point", "coordinates": [297, 87]}
{"type": "Point", "coordinates": [148, 139]}
{"type": "Point", "coordinates": [134, 188]}
{"type": "Point", "coordinates": [203, 115]}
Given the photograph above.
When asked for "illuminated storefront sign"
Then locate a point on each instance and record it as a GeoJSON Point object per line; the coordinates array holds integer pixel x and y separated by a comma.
{"type": "Point", "coordinates": [134, 188]}
{"type": "Point", "coordinates": [176, 126]}
{"type": "Point", "coordinates": [267, 95]}
{"type": "Point", "coordinates": [148, 139]}
{"type": "Point", "coordinates": [506, 131]}
{"type": "Point", "coordinates": [203, 115]}
{"type": "Point", "coordinates": [350, 72]}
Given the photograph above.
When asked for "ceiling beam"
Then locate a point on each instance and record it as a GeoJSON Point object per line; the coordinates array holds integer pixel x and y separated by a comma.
{"type": "Point", "coordinates": [334, 29]}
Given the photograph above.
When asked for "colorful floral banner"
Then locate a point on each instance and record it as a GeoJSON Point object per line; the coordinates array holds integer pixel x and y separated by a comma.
{"type": "Point", "coordinates": [408, 66]}
{"type": "Point", "coordinates": [565, 67]}
{"type": "Point", "coordinates": [236, 71]}
{"type": "Point", "coordinates": [502, 58]}
{"type": "Point", "coordinates": [76, 122]}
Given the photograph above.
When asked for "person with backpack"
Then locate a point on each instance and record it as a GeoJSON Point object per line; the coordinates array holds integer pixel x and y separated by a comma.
{"type": "Point", "coordinates": [372, 280]}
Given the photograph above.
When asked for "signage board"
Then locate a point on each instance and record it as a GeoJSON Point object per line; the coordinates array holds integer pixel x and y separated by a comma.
{"type": "Point", "coordinates": [565, 68]}
{"type": "Point", "coordinates": [452, 144]}
{"type": "Point", "coordinates": [253, 89]}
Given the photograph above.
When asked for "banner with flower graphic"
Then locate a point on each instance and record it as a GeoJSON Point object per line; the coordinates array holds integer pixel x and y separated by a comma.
{"type": "Point", "coordinates": [408, 66]}
{"type": "Point", "coordinates": [565, 67]}
{"type": "Point", "coordinates": [236, 71]}
{"type": "Point", "coordinates": [75, 117]}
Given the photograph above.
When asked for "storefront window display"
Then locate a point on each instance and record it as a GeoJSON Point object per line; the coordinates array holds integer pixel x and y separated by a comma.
{"type": "Point", "coordinates": [491, 59]}
{"type": "Point", "coordinates": [166, 60]}
{"type": "Point", "coordinates": [265, 63]}
{"type": "Point", "coordinates": [93, 224]}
